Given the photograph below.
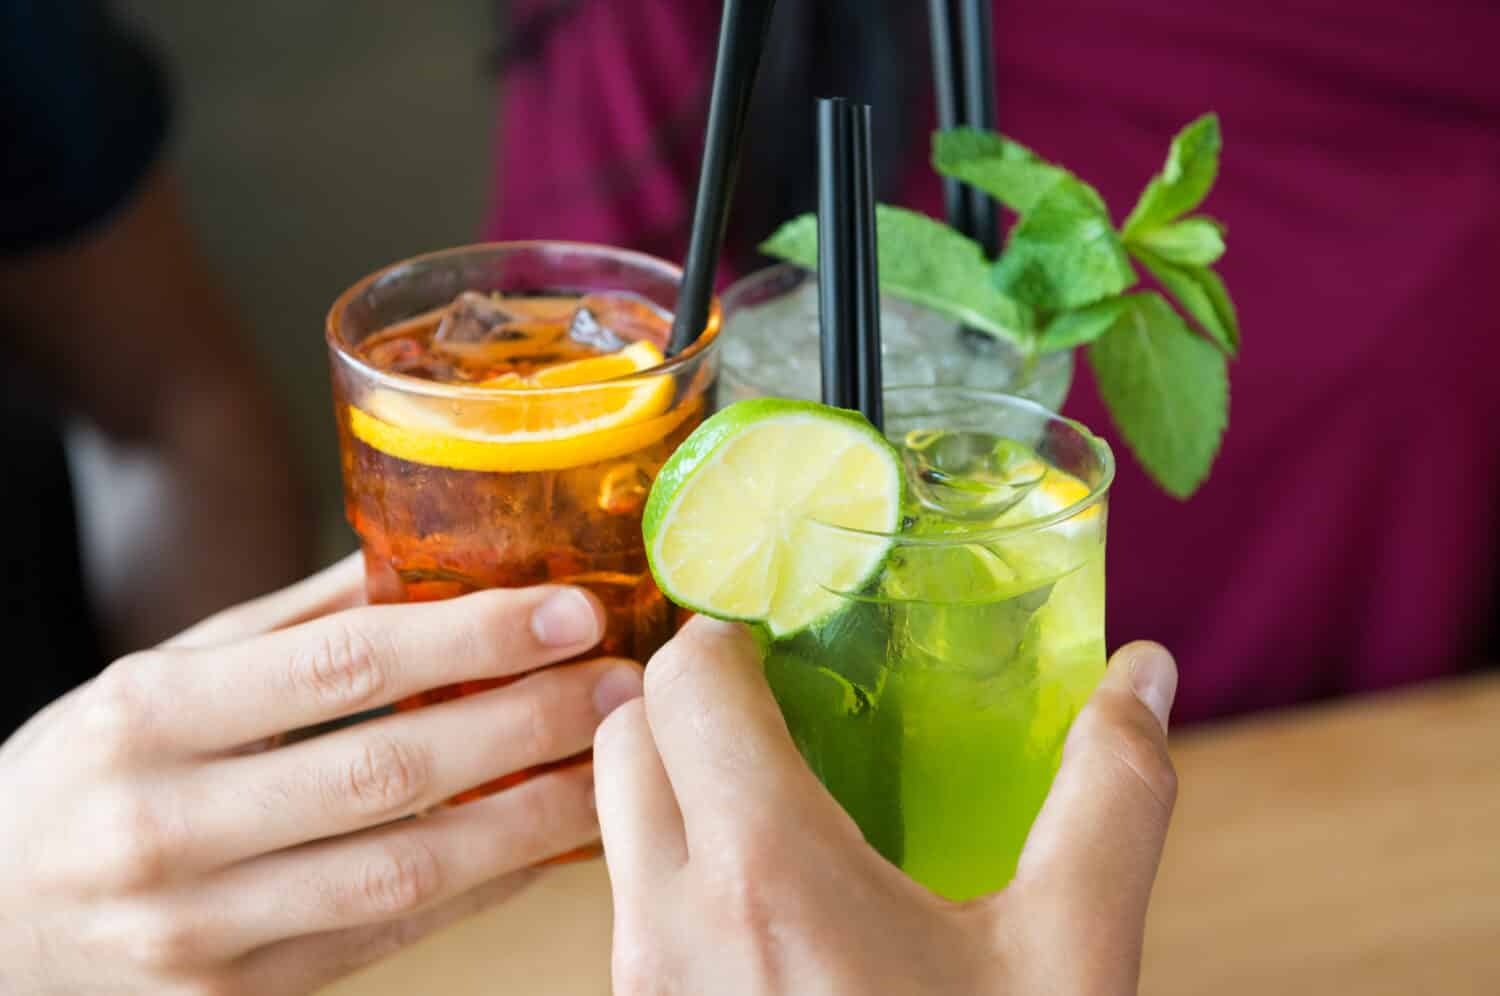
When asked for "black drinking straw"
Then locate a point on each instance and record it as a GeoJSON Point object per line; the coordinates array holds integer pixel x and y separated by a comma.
{"type": "Point", "coordinates": [977, 33]}
{"type": "Point", "coordinates": [742, 39]}
{"type": "Point", "coordinates": [963, 66]}
{"type": "Point", "coordinates": [866, 272]}
{"type": "Point", "coordinates": [835, 254]}
{"type": "Point", "coordinates": [945, 77]}
{"type": "Point", "coordinates": [848, 290]}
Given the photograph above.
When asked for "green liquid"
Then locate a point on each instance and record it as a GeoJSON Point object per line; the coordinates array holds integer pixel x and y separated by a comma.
{"type": "Point", "coordinates": [934, 705]}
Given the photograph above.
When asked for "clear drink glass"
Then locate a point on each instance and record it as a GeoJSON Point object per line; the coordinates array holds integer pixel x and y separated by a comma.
{"type": "Point", "coordinates": [472, 481]}
{"type": "Point", "coordinates": [772, 348]}
{"type": "Point", "coordinates": [934, 703]}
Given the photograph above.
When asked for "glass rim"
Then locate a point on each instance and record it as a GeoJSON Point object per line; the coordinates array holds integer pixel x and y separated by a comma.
{"type": "Point", "coordinates": [985, 534]}
{"type": "Point", "coordinates": [704, 345]}
{"type": "Point", "coordinates": [764, 274]}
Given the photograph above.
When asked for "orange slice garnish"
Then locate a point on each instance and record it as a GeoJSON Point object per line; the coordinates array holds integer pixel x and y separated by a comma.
{"type": "Point", "coordinates": [580, 413]}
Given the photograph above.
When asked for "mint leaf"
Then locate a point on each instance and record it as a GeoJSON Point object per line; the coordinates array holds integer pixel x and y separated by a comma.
{"type": "Point", "coordinates": [1202, 295]}
{"type": "Point", "coordinates": [1192, 241]}
{"type": "Point", "coordinates": [926, 262]}
{"type": "Point", "coordinates": [1083, 325]}
{"type": "Point", "coordinates": [1192, 165]}
{"type": "Point", "coordinates": [1011, 173]}
{"type": "Point", "coordinates": [1064, 253]}
{"type": "Point", "coordinates": [1167, 390]}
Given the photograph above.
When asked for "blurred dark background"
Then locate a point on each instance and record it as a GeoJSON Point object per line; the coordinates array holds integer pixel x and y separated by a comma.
{"type": "Point", "coordinates": [316, 141]}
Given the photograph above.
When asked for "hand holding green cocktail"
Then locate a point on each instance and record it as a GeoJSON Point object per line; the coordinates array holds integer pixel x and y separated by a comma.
{"type": "Point", "coordinates": [932, 610]}
{"type": "Point", "coordinates": [930, 597]}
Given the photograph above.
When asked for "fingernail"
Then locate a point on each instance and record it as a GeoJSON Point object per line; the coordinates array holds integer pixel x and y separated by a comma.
{"type": "Point", "coordinates": [565, 620]}
{"type": "Point", "coordinates": [618, 686]}
{"type": "Point", "coordinates": [1153, 678]}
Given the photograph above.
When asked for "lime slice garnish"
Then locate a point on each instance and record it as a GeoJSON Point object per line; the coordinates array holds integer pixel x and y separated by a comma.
{"type": "Point", "coordinates": [737, 526]}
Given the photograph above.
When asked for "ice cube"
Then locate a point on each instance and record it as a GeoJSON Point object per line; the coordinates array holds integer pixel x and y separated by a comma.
{"type": "Point", "coordinates": [408, 356]}
{"type": "Point", "coordinates": [482, 331]}
{"type": "Point", "coordinates": [475, 319]}
{"type": "Point", "coordinates": [587, 330]}
{"type": "Point", "coordinates": [623, 489]}
{"type": "Point", "coordinates": [772, 348]}
{"type": "Point", "coordinates": [965, 476]}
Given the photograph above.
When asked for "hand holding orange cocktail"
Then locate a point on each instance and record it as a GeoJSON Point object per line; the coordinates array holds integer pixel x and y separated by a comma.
{"type": "Point", "coordinates": [502, 412]}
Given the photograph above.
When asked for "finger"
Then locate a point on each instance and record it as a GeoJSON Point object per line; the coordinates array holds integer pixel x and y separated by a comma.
{"type": "Point", "coordinates": [720, 735]}
{"type": "Point", "coordinates": [396, 871]}
{"type": "Point", "coordinates": [638, 815]}
{"type": "Point", "coordinates": [1096, 845]}
{"type": "Point", "coordinates": [305, 964]}
{"type": "Point", "coordinates": [393, 767]}
{"type": "Point", "coordinates": [216, 699]}
{"type": "Point", "coordinates": [332, 589]}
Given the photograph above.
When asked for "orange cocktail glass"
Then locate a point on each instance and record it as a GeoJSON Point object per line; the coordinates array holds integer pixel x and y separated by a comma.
{"type": "Point", "coordinates": [511, 439]}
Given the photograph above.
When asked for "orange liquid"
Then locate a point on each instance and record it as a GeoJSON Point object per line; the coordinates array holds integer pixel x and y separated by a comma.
{"type": "Point", "coordinates": [431, 532]}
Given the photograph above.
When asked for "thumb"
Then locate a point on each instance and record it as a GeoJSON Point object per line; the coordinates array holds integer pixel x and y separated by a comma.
{"type": "Point", "coordinates": [1096, 845]}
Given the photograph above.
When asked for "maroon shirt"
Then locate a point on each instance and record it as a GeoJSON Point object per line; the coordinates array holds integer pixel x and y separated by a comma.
{"type": "Point", "coordinates": [1347, 538]}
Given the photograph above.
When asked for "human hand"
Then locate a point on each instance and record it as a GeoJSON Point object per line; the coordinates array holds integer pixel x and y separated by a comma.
{"type": "Point", "coordinates": [735, 872]}
{"type": "Point", "coordinates": [145, 846]}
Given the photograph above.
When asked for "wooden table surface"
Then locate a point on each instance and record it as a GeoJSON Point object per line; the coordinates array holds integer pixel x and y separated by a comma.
{"type": "Point", "coordinates": [1345, 849]}
{"type": "Point", "coordinates": [1351, 849]}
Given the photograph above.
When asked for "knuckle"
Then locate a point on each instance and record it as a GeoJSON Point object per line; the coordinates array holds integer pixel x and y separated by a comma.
{"type": "Point", "coordinates": [401, 879]}
{"type": "Point", "coordinates": [498, 613]}
{"type": "Point", "coordinates": [136, 852]}
{"type": "Point", "coordinates": [740, 902]}
{"type": "Point", "coordinates": [618, 729]}
{"type": "Point", "coordinates": [494, 623]}
{"type": "Point", "coordinates": [542, 721]}
{"type": "Point", "coordinates": [667, 668]}
{"type": "Point", "coordinates": [386, 778]}
{"type": "Point", "coordinates": [1140, 754]}
{"type": "Point", "coordinates": [116, 711]}
{"type": "Point", "coordinates": [342, 668]}
{"type": "Point", "coordinates": [165, 941]}
{"type": "Point", "coordinates": [561, 809]}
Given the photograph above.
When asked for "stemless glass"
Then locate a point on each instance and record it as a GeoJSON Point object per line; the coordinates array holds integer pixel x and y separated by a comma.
{"type": "Point", "coordinates": [445, 503]}
{"type": "Point", "coordinates": [934, 703]}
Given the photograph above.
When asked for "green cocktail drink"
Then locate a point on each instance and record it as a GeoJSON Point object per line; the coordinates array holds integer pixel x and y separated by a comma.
{"type": "Point", "coordinates": [934, 702]}
{"type": "Point", "coordinates": [931, 604]}
{"type": "Point", "coordinates": [931, 607]}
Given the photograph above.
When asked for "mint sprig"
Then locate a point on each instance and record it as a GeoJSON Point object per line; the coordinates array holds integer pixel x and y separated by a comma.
{"type": "Point", "coordinates": [1062, 282]}
{"type": "Point", "coordinates": [1190, 242]}
{"type": "Point", "coordinates": [1201, 294]}
{"type": "Point", "coordinates": [1184, 182]}
{"type": "Point", "coordinates": [1167, 390]}
{"type": "Point", "coordinates": [1081, 326]}
{"type": "Point", "coordinates": [1007, 170]}
{"type": "Point", "coordinates": [1064, 253]}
